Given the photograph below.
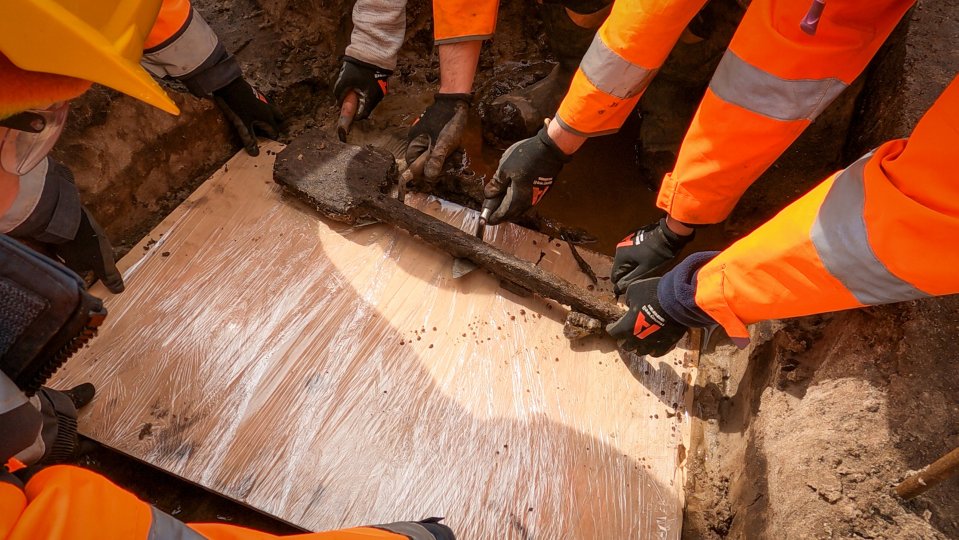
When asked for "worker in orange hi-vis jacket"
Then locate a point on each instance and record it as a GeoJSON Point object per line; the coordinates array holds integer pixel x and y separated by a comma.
{"type": "Point", "coordinates": [48, 55]}
{"type": "Point", "coordinates": [778, 74]}
{"type": "Point", "coordinates": [882, 230]}
{"type": "Point", "coordinates": [71, 503]}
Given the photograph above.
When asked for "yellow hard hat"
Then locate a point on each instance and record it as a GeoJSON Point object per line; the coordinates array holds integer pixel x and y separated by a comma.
{"type": "Point", "coordinates": [93, 40]}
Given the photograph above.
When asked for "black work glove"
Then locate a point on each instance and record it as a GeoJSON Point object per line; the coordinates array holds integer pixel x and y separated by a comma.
{"type": "Point", "coordinates": [644, 251]}
{"type": "Point", "coordinates": [437, 133]}
{"type": "Point", "coordinates": [526, 171]}
{"type": "Point", "coordinates": [646, 328]}
{"type": "Point", "coordinates": [90, 251]}
{"type": "Point", "coordinates": [368, 81]}
{"type": "Point", "coordinates": [250, 112]}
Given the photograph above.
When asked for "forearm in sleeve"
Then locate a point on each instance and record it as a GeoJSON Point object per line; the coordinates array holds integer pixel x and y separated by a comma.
{"type": "Point", "coordinates": [379, 27]}
{"type": "Point", "coordinates": [883, 230]}
{"type": "Point", "coordinates": [183, 46]}
{"type": "Point", "coordinates": [625, 55]}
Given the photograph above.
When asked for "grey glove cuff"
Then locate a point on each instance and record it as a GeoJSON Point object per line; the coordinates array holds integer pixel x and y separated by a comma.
{"type": "Point", "coordinates": [56, 217]}
{"type": "Point", "coordinates": [219, 70]}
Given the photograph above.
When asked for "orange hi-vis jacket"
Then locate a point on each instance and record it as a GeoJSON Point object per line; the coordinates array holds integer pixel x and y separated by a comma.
{"type": "Point", "coordinates": [883, 230]}
{"type": "Point", "coordinates": [773, 81]}
{"type": "Point", "coordinates": [70, 503]}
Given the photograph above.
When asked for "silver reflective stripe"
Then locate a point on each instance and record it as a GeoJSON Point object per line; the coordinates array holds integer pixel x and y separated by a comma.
{"type": "Point", "coordinates": [612, 73]}
{"type": "Point", "coordinates": [753, 89]}
{"type": "Point", "coordinates": [840, 237]}
{"type": "Point", "coordinates": [165, 527]}
{"type": "Point", "coordinates": [185, 53]}
{"type": "Point", "coordinates": [31, 189]}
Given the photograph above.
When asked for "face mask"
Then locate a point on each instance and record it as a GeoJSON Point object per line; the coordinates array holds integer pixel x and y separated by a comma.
{"type": "Point", "coordinates": [27, 137]}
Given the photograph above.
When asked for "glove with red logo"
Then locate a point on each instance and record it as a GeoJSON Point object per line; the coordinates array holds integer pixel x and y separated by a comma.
{"type": "Point", "coordinates": [526, 171]}
{"type": "Point", "coordinates": [368, 81]}
{"type": "Point", "coordinates": [646, 328]}
{"type": "Point", "coordinates": [642, 252]}
{"type": "Point", "coordinates": [250, 112]}
{"type": "Point", "coordinates": [662, 309]}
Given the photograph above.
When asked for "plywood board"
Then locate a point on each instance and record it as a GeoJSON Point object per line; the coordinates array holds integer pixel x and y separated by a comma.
{"type": "Point", "coordinates": [338, 376]}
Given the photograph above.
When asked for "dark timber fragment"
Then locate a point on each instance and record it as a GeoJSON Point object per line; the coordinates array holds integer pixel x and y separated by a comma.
{"type": "Point", "coordinates": [349, 183]}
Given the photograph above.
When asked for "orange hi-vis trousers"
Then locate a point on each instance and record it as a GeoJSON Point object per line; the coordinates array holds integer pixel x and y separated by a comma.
{"type": "Point", "coordinates": [65, 502]}
{"type": "Point", "coordinates": [883, 230]}
{"type": "Point", "coordinates": [772, 82]}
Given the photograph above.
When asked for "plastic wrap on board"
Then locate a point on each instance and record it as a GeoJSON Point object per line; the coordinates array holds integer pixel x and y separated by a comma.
{"type": "Point", "coordinates": [338, 376]}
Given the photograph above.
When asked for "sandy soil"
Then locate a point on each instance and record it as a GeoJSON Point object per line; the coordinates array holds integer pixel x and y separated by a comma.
{"type": "Point", "coordinates": [805, 434]}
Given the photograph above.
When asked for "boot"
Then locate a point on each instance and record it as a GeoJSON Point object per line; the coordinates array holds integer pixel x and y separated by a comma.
{"type": "Point", "coordinates": [81, 395]}
{"type": "Point", "coordinates": [519, 114]}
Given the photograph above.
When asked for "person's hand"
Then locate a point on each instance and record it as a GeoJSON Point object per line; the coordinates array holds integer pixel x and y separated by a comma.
{"type": "Point", "coordinates": [369, 82]}
{"type": "Point", "coordinates": [646, 328]}
{"type": "Point", "coordinates": [437, 132]}
{"type": "Point", "coordinates": [90, 251]}
{"type": "Point", "coordinates": [64, 226]}
{"type": "Point", "coordinates": [525, 172]}
{"type": "Point", "coordinates": [250, 113]}
{"type": "Point", "coordinates": [642, 252]}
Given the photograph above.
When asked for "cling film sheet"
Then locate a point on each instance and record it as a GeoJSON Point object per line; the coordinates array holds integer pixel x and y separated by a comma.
{"type": "Point", "coordinates": [338, 376]}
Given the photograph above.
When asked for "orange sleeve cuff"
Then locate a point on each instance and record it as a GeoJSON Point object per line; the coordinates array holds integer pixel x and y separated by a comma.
{"type": "Point", "coordinates": [171, 18]}
{"type": "Point", "coordinates": [589, 112]}
{"type": "Point", "coordinates": [463, 20]}
{"type": "Point", "coordinates": [711, 298]}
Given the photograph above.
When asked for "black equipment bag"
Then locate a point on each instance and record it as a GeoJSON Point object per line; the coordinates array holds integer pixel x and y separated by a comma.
{"type": "Point", "coordinates": [46, 315]}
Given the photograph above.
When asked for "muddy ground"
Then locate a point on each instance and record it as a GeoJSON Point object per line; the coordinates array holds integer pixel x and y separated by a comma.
{"type": "Point", "coordinates": [803, 434]}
